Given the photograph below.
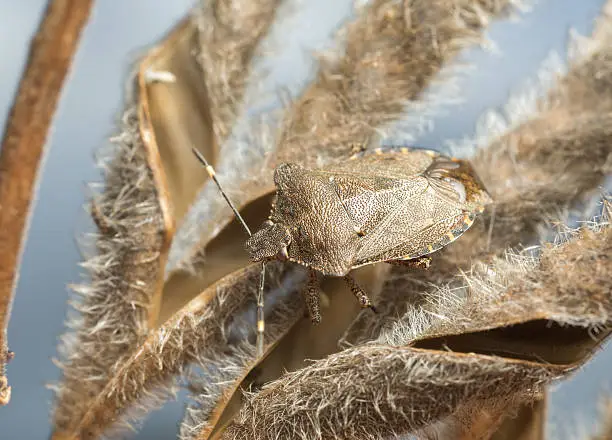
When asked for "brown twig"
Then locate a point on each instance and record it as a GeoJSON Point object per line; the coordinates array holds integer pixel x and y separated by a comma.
{"type": "Point", "coordinates": [51, 53]}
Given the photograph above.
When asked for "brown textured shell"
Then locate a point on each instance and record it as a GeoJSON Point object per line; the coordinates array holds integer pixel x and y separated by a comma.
{"type": "Point", "coordinates": [397, 204]}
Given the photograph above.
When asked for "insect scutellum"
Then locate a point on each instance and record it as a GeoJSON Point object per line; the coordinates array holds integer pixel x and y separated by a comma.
{"type": "Point", "coordinates": [260, 299]}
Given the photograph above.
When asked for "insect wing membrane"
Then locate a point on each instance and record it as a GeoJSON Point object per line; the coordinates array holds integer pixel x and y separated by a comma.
{"type": "Point", "coordinates": [368, 200]}
{"type": "Point", "coordinates": [410, 227]}
{"type": "Point", "coordinates": [417, 205]}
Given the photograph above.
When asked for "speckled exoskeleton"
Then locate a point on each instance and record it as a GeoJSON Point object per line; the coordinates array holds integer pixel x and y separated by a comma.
{"type": "Point", "coordinates": [396, 206]}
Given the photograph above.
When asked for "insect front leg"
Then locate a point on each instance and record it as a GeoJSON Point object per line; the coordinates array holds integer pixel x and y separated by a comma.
{"type": "Point", "coordinates": [311, 295]}
{"type": "Point", "coordinates": [360, 294]}
{"type": "Point", "coordinates": [416, 263]}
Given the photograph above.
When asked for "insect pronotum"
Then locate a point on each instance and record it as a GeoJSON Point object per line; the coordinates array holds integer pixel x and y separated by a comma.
{"type": "Point", "coordinates": [396, 206]}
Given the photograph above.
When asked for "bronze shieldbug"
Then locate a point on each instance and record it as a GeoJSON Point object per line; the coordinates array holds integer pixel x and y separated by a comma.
{"type": "Point", "coordinates": [396, 205]}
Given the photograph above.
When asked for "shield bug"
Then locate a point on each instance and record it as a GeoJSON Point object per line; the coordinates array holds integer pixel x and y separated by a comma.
{"type": "Point", "coordinates": [396, 206]}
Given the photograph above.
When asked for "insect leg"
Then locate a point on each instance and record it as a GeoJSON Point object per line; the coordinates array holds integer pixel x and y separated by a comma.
{"type": "Point", "coordinates": [260, 311]}
{"type": "Point", "coordinates": [416, 263]}
{"type": "Point", "coordinates": [359, 293]}
{"type": "Point", "coordinates": [311, 295]}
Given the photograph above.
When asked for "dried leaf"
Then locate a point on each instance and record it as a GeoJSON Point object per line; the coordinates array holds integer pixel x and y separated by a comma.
{"type": "Point", "coordinates": [150, 180]}
{"type": "Point", "coordinates": [208, 335]}
{"type": "Point", "coordinates": [176, 111]}
{"type": "Point", "coordinates": [554, 309]}
{"type": "Point", "coordinates": [376, 391]}
{"type": "Point", "coordinates": [386, 387]}
{"type": "Point", "coordinates": [534, 173]}
{"type": "Point", "coordinates": [229, 32]}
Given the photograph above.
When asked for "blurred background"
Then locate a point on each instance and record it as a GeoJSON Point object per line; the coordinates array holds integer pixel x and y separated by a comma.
{"type": "Point", "coordinates": [117, 35]}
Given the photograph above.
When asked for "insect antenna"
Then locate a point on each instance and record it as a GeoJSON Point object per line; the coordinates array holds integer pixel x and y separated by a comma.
{"type": "Point", "coordinates": [260, 300]}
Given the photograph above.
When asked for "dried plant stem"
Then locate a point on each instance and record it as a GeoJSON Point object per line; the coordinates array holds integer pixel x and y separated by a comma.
{"type": "Point", "coordinates": [51, 53]}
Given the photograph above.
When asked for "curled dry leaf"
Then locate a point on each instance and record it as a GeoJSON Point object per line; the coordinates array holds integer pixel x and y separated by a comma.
{"type": "Point", "coordinates": [209, 334]}
{"type": "Point", "coordinates": [229, 32]}
{"type": "Point", "coordinates": [376, 391]}
{"type": "Point", "coordinates": [150, 179]}
{"type": "Point", "coordinates": [555, 310]}
{"type": "Point", "coordinates": [197, 326]}
{"type": "Point", "coordinates": [534, 172]}
{"type": "Point", "coordinates": [406, 380]}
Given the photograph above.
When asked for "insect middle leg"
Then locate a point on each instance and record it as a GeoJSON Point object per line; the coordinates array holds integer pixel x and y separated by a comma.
{"type": "Point", "coordinates": [311, 295]}
{"type": "Point", "coordinates": [360, 294]}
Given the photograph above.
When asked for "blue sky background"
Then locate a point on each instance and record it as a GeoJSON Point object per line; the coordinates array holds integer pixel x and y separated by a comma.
{"type": "Point", "coordinates": [117, 35]}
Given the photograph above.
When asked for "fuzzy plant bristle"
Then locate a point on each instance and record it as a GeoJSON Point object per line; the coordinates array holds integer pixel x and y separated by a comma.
{"type": "Point", "coordinates": [392, 53]}
{"type": "Point", "coordinates": [534, 172]}
{"type": "Point", "coordinates": [210, 335]}
{"type": "Point", "coordinates": [113, 308]}
{"type": "Point", "coordinates": [390, 387]}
